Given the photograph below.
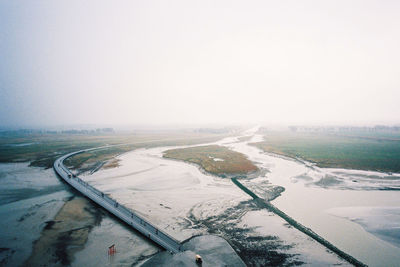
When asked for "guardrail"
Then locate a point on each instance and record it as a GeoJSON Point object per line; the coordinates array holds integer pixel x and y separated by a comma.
{"type": "Point", "coordinates": [137, 222]}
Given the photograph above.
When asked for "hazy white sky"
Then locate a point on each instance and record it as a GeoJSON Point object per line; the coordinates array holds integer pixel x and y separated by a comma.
{"type": "Point", "coordinates": [124, 62]}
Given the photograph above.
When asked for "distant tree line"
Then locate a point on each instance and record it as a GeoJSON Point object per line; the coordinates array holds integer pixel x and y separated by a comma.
{"type": "Point", "coordinates": [377, 128]}
{"type": "Point", "coordinates": [71, 131]}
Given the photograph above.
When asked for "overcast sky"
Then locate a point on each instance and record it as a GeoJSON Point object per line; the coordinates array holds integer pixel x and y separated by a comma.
{"type": "Point", "coordinates": [127, 62]}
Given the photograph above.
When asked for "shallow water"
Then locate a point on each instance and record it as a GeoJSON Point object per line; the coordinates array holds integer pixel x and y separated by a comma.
{"type": "Point", "coordinates": [309, 202]}
{"type": "Point", "coordinates": [343, 206]}
{"type": "Point", "coordinates": [29, 197]}
{"type": "Point", "coordinates": [165, 191]}
{"type": "Point", "coordinates": [18, 181]}
{"type": "Point", "coordinates": [384, 222]}
{"type": "Point", "coordinates": [297, 243]}
{"type": "Point", "coordinates": [184, 201]}
{"type": "Point", "coordinates": [131, 247]}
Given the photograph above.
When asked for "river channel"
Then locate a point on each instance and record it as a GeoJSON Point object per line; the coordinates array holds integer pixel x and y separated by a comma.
{"type": "Point", "coordinates": [349, 208]}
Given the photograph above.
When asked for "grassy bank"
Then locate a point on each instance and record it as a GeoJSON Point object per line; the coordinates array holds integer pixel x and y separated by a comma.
{"type": "Point", "coordinates": [349, 151]}
{"type": "Point", "coordinates": [42, 150]}
{"type": "Point", "coordinates": [214, 159]}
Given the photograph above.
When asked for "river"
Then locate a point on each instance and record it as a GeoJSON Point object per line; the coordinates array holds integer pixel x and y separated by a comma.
{"type": "Point", "coordinates": [181, 199]}
{"type": "Point", "coordinates": [349, 208]}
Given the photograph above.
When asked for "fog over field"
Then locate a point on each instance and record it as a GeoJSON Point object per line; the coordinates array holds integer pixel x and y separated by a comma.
{"type": "Point", "coordinates": [251, 133]}
{"type": "Point", "coordinates": [180, 62]}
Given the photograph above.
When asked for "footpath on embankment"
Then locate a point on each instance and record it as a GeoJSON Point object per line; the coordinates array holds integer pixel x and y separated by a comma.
{"type": "Point", "coordinates": [262, 203]}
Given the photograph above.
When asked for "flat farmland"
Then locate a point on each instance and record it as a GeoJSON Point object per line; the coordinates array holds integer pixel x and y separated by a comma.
{"type": "Point", "coordinates": [351, 151]}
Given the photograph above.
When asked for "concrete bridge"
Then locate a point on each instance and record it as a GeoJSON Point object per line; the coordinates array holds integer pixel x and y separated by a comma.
{"type": "Point", "coordinates": [128, 216]}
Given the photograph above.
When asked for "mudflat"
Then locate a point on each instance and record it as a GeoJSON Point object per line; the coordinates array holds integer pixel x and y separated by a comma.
{"type": "Point", "coordinates": [66, 234]}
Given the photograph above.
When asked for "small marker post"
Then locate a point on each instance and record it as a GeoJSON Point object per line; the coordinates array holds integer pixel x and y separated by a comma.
{"type": "Point", "coordinates": [112, 250]}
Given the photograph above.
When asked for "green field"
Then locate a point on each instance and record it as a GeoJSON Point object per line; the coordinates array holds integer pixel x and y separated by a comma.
{"type": "Point", "coordinates": [214, 159]}
{"type": "Point", "coordinates": [380, 152]}
{"type": "Point", "coordinates": [42, 150]}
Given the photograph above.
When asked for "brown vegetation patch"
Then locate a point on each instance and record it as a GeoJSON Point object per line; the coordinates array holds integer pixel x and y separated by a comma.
{"type": "Point", "coordinates": [111, 164]}
{"type": "Point", "coordinates": [44, 149]}
{"type": "Point", "coordinates": [214, 159]}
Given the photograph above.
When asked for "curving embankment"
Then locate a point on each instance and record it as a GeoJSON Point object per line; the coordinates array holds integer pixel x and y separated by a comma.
{"type": "Point", "coordinates": [131, 218]}
{"type": "Point", "coordinates": [269, 206]}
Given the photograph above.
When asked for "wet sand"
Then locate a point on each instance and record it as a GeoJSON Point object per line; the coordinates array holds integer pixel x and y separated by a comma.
{"type": "Point", "coordinates": [29, 196]}
{"type": "Point", "coordinates": [156, 187]}
{"type": "Point", "coordinates": [131, 246]}
{"type": "Point", "coordinates": [214, 250]}
{"type": "Point", "coordinates": [310, 198]}
{"type": "Point", "coordinates": [186, 201]}
{"type": "Point", "coordinates": [66, 234]}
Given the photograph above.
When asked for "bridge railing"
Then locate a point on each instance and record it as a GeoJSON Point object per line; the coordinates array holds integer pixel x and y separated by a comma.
{"type": "Point", "coordinates": [150, 228]}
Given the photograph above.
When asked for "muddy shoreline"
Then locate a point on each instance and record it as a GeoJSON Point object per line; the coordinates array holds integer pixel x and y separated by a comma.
{"type": "Point", "coordinates": [254, 249]}
{"type": "Point", "coordinates": [66, 234]}
{"type": "Point", "coordinates": [262, 203]}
